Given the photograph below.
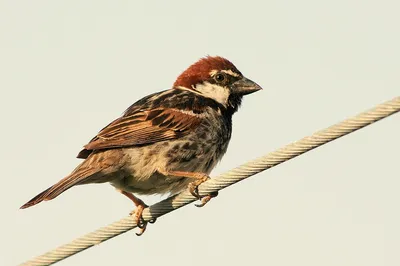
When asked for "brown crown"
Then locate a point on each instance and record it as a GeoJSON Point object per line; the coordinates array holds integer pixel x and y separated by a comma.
{"type": "Point", "coordinates": [200, 71]}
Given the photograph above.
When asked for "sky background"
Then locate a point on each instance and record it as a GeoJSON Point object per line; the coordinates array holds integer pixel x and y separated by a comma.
{"type": "Point", "coordinates": [68, 68]}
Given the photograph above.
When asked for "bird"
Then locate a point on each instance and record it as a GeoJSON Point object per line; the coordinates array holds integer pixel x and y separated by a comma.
{"type": "Point", "coordinates": [166, 142]}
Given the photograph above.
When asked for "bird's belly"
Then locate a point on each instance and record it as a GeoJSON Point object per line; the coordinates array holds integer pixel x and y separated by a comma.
{"type": "Point", "coordinates": [142, 172]}
{"type": "Point", "coordinates": [154, 184]}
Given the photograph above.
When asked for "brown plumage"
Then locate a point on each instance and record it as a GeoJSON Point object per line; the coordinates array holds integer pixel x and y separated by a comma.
{"type": "Point", "coordinates": [92, 170]}
{"type": "Point", "coordinates": [166, 141]}
{"type": "Point", "coordinates": [142, 128]}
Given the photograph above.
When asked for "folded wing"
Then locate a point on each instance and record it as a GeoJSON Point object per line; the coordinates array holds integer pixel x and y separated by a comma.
{"type": "Point", "coordinates": [143, 127]}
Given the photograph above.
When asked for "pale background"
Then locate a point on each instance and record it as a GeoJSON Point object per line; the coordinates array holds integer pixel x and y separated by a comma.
{"type": "Point", "coordinates": [70, 67]}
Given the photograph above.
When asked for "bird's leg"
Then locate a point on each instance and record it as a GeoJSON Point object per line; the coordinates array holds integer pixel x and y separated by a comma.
{"type": "Point", "coordinates": [194, 186]}
{"type": "Point", "coordinates": [140, 206]}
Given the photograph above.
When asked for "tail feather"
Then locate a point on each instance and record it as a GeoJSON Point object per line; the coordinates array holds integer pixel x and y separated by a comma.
{"type": "Point", "coordinates": [64, 184]}
{"type": "Point", "coordinates": [38, 198]}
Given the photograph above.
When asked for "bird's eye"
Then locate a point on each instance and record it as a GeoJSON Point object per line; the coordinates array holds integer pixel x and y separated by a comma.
{"type": "Point", "coordinates": [220, 77]}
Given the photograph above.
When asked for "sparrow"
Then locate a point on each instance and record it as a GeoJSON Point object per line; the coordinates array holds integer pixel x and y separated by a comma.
{"type": "Point", "coordinates": [166, 142]}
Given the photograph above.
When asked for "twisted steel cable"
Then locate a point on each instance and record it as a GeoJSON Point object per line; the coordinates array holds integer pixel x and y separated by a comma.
{"type": "Point", "coordinates": [222, 181]}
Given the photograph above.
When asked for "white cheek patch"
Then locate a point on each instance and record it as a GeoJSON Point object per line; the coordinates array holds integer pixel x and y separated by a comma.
{"type": "Point", "coordinates": [218, 93]}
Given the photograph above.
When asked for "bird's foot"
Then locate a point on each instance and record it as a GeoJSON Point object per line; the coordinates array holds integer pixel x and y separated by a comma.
{"type": "Point", "coordinates": [205, 199]}
{"type": "Point", "coordinates": [194, 190]}
{"type": "Point", "coordinates": [141, 223]}
{"type": "Point", "coordinates": [137, 213]}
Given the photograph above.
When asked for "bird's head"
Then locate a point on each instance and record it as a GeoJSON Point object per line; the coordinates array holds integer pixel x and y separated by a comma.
{"type": "Point", "coordinates": [217, 78]}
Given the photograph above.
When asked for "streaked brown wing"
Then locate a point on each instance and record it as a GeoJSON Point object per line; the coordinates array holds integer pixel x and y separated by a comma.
{"type": "Point", "coordinates": [142, 128]}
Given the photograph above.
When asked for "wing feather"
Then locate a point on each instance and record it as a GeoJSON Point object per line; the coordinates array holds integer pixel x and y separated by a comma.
{"type": "Point", "coordinates": [143, 127]}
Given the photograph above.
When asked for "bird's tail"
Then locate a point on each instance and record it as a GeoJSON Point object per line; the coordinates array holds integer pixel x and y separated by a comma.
{"type": "Point", "coordinates": [79, 176]}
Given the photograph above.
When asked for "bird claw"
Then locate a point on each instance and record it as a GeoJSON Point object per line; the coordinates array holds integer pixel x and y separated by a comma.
{"type": "Point", "coordinates": [194, 186]}
{"type": "Point", "coordinates": [204, 200]}
{"type": "Point", "coordinates": [141, 231]}
{"type": "Point", "coordinates": [194, 190]}
{"type": "Point", "coordinates": [141, 223]}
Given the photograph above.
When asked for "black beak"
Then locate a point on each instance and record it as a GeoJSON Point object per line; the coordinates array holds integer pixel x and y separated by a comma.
{"type": "Point", "coordinates": [245, 86]}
